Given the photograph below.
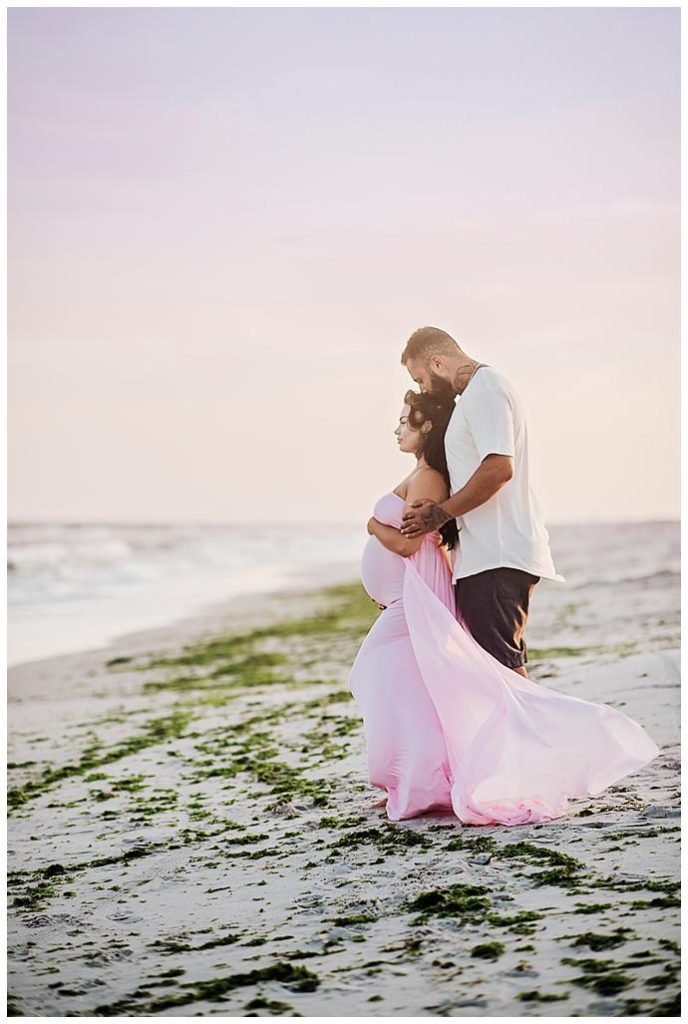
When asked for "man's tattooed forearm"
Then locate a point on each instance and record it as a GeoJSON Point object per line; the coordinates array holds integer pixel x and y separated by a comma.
{"type": "Point", "coordinates": [435, 516]}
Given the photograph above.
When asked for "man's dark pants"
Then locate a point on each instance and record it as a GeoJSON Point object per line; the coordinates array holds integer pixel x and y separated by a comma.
{"type": "Point", "coordinates": [494, 606]}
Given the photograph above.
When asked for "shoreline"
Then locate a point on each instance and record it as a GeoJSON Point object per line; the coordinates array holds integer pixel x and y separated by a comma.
{"type": "Point", "coordinates": [190, 834]}
{"type": "Point", "coordinates": [288, 579]}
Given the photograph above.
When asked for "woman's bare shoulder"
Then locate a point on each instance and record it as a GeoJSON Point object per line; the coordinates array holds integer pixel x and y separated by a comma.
{"type": "Point", "coordinates": [427, 483]}
{"type": "Point", "coordinates": [428, 473]}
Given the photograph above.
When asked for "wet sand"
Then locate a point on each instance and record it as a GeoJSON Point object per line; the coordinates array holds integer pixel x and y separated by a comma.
{"type": "Point", "coordinates": [190, 834]}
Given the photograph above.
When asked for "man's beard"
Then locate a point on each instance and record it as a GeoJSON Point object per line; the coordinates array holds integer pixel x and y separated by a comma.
{"type": "Point", "coordinates": [441, 388]}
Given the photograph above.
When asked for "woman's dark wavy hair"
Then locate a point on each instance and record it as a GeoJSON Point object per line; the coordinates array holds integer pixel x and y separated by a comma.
{"type": "Point", "coordinates": [424, 407]}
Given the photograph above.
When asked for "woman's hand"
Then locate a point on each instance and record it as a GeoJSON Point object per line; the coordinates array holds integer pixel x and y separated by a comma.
{"type": "Point", "coordinates": [369, 527]}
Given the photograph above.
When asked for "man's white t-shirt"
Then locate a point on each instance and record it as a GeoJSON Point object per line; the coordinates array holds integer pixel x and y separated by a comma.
{"type": "Point", "coordinates": [507, 530]}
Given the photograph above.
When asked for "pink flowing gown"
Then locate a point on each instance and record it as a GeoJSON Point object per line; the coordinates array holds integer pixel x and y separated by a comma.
{"type": "Point", "coordinates": [448, 727]}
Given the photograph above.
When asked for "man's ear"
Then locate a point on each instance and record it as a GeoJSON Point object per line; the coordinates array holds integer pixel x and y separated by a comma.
{"type": "Point", "coordinates": [436, 362]}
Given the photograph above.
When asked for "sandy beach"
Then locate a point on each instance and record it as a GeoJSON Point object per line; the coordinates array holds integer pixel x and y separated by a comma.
{"type": "Point", "coordinates": [292, 292]}
{"type": "Point", "coordinates": [191, 833]}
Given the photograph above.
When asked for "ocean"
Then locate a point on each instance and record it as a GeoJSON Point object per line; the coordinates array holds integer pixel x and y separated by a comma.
{"type": "Point", "coordinates": [74, 587]}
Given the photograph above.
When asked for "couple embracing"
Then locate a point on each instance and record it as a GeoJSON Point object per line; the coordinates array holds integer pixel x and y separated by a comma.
{"type": "Point", "coordinates": [452, 722]}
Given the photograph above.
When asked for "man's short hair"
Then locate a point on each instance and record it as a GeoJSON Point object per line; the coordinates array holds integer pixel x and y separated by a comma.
{"type": "Point", "coordinates": [427, 342]}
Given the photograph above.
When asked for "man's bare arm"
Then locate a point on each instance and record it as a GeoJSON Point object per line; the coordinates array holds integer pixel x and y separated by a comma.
{"type": "Point", "coordinates": [490, 476]}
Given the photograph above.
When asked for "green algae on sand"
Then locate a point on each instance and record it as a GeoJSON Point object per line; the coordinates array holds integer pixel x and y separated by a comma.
{"type": "Point", "coordinates": [533, 996]}
{"type": "Point", "coordinates": [603, 976]}
{"type": "Point", "coordinates": [460, 900]}
{"type": "Point", "coordinates": [294, 977]}
{"type": "Point", "coordinates": [156, 731]}
{"type": "Point", "coordinates": [598, 943]}
{"type": "Point", "coordinates": [488, 950]}
{"type": "Point", "coordinates": [274, 754]}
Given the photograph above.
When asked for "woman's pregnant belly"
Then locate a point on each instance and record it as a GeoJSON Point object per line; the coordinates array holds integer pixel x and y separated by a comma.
{"type": "Point", "coordinates": [382, 572]}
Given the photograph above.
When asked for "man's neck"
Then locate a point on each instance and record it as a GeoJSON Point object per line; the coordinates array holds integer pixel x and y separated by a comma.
{"type": "Point", "coordinates": [464, 373]}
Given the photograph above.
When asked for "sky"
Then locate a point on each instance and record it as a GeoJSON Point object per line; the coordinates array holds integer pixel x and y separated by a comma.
{"type": "Point", "coordinates": [223, 224]}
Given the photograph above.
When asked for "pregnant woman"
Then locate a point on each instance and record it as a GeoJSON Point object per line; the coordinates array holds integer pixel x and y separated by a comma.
{"type": "Point", "coordinates": [447, 726]}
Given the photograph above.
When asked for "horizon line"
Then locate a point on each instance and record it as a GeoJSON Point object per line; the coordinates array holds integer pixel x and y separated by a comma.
{"type": "Point", "coordinates": [602, 521]}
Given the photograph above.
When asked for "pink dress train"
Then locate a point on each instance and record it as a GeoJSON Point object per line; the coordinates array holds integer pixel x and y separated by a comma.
{"type": "Point", "coordinates": [449, 728]}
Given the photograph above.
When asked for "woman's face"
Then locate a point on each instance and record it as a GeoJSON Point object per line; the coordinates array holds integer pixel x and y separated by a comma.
{"type": "Point", "coordinates": [408, 439]}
